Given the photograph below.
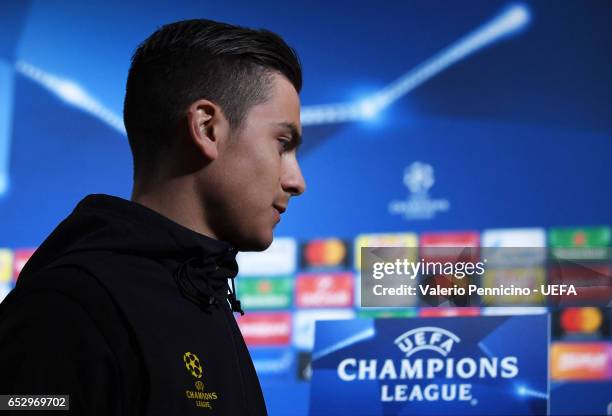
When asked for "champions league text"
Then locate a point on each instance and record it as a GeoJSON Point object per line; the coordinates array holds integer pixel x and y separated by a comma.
{"type": "Point", "coordinates": [432, 366]}
{"type": "Point", "coordinates": [419, 370]}
{"type": "Point", "coordinates": [352, 369]}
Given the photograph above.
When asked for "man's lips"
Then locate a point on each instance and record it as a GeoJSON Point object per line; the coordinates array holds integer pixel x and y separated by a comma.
{"type": "Point", "coordinates": [279, 210]}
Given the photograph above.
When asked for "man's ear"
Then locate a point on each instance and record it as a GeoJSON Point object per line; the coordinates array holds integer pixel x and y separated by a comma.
{"type": "Point", "coordinates": [206, 125]}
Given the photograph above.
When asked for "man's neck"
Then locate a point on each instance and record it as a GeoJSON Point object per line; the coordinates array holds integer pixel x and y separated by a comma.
{"type": "Point", "coordinates": [175, 200]}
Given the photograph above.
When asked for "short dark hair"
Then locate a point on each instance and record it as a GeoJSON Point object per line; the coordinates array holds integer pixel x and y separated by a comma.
{"type": "Point", "coordinates": [184, 61]}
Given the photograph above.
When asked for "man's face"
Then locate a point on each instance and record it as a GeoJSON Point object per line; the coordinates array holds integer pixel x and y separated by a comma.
{"type": "Point", "coordinates": [257, 171]}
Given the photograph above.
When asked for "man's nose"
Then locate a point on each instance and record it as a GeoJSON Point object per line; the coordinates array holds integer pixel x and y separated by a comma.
{"type": "Point", "coordinates": [292, 180]}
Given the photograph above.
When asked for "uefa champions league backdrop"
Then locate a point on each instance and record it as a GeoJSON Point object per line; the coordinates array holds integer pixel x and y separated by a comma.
{"type": "Point", "coordinates": [460, 117]}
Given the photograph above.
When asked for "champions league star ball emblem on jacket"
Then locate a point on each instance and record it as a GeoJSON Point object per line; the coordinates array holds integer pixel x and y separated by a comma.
{"type": "Point", "coordinates": [419, 179]}
{"type": "Point", "coordinates": [192, 363]}
{"type": "Point", "coordinates": [199, 397]}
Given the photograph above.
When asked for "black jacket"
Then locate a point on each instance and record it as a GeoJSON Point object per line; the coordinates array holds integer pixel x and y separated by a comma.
{"type": "Point", "coordinates": [128, 313]}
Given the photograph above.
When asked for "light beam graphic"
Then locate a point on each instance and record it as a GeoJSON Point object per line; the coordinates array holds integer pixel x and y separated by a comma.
{"type": "Point", "coordinates": [72, 94]}
{"type": "Point", "coordinates": [527, 392]}
{"type": "Point", "coordinates": [509, 22]}
{"type": "Point", "coordinates": [360, 336]}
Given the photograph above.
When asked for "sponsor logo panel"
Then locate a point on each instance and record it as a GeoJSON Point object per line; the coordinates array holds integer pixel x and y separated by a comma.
{"type": "Point", "coordinates": [325, 253]}
{"type": "Point", "coordinates": [584, 243]}
{"type": "Point", "coordinates": [514, 310]}
{"type": "Point", "coordinates": [585, 361]}
{"type": "Point", "coordinates": [531, 278]}
{"type": "Point", "coordinates": [266, 328]}
{"type": "Point", "coordinates": [592, 283]}
{"type": "Point", "coordinates": [278, 259]}
{"type": "Point", "coordinates": [520, 247]}
{"type": "Point", "coordinates": [265, 293]}
{"type": "Point", "coordinates": [407, 240]}
{"type": "Point", "coordinates": [514, 237]}
{"type": "Point", "coordinates": [450, 246]}
{"type": "Point", "coordinates": [319, 290]}
{"type": "Point", "coordinates": [581, 321]}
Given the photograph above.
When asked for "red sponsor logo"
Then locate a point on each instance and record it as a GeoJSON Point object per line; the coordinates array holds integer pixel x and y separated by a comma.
{"type": "Point", "coordinates": [273, 328]}
{"type": "Point", "coordinates": [320, 290]}
{"type": "Point", "coordinates": [581, 361]}
{"type": "Point", "coordinates": [458, 239]}
{"type": "Point", "coordinates": [450, 247]}
{"type": "Point", "coordinates": [22, 255]}
{"type": "Point", "coordinates": [593, 283]}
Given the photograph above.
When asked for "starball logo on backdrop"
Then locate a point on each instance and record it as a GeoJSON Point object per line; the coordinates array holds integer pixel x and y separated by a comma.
{"type": "Point", "coordinates": [437, 377]}
{"type": "Point", "coordinates": [419, 179]}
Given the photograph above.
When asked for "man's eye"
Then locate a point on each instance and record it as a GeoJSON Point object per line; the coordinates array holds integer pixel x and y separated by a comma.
{"type": "Point", "coordinates": [285, 143]}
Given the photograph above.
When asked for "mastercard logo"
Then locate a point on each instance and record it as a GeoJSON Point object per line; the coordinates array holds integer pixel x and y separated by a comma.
{"type": "Point", "coordinates": [330, 252]}
{"type": "Point", "coordinates": [581, 320]}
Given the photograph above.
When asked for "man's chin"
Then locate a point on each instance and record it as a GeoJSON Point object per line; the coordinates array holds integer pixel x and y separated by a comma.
{"type": "Point", "coordinates": [254, 244]}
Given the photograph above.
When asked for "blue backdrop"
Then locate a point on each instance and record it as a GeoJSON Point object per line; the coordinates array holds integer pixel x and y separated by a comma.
{"type": "Point", "coordinates": [512, 128]}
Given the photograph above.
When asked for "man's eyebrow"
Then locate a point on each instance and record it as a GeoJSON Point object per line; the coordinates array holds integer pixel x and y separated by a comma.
{"type": "Point", "coordinates": [296, 137]}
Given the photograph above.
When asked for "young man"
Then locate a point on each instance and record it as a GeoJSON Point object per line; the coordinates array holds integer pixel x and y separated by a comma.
{"type": "Point", "coordinates": [126, 306]}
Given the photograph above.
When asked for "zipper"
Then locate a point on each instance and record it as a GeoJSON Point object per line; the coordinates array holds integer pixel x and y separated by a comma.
{"type": "Point", "coordinates": [226, 309]}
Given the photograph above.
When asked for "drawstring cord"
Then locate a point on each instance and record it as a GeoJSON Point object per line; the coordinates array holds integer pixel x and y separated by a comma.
{"type": "Point", "coordinates": [204, 298]}
{"type": "Point", "coordinates": [201, 288]}
{"type": "Point", "coordinates": [234, 303]}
